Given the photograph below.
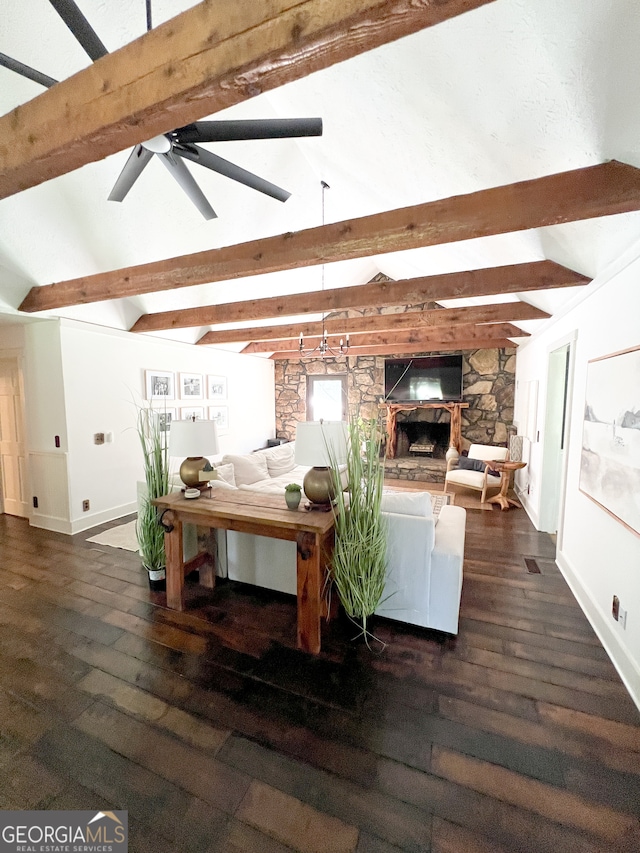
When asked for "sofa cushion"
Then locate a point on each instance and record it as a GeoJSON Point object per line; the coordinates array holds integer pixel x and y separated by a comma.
{"type": "Point", "coordinates": [248, 469]}
{"type": "Point", "coordinates": [279, 459]}
{"type": "Point", "coordinates": [408, 503]}
{"type": "Point", "coordinates": [222, 486]}
{"type": "Point", "coordinates": [225, 473]}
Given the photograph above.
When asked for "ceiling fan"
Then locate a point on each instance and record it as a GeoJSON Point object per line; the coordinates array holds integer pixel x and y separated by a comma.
{"type": "Point", "coordinates": [183, 143]}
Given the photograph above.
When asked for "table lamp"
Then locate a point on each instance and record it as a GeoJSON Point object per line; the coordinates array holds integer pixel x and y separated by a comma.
{"type": "Point", "coordinates": [194, 439]}
{"type": "Point", "coordinates": [320, 444]}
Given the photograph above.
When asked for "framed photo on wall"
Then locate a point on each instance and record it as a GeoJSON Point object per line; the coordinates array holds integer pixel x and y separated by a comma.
{"type": "Point", "coordinates": [165, 416]}
{"type": "Point", "coordinates": [220, 414]}
{"type": "Point", "coordinates": [610, 462]}
{"type": "Point", "coordinates": [191, 386]}
{"type": "Point", "coordinates": [217, 387]}
{"type": "Point", "coordinates": [159, 385]}
{"type": "Point", "coordinates": [188, 414]}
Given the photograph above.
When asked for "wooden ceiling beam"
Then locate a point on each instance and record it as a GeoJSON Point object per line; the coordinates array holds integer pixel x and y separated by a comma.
{"type": "Point", "coordinates": [516, 278]}
{"type": "Point", "coordinates": [419, 337]}
{"type": "Point", "coordinates": [565, 197]}
{"type": "Point", "coordinates": [427, 319]}
{"type": "Point", "coordinates": [208, 58]}
{"type": "Point", "coordinates": [401, 349]}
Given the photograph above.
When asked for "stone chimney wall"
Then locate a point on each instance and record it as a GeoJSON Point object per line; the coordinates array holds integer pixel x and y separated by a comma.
{"type": "Point", "coordinates": [488, 387]}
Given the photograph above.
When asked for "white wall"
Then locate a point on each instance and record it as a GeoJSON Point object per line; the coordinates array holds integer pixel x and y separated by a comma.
{"type": "Point", "coordinates": [599, 556]}
{"type": "Point", "coordinates": [104, 381]}
{"type": "Point", "coordinates": [82, 379]}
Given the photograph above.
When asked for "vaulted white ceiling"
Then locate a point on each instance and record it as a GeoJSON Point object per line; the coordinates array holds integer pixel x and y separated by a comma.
{"type": "Point", "coordinates": [511, 91]}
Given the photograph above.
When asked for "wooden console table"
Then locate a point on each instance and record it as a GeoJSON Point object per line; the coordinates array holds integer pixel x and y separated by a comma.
{"type": "Point", "coordinates": [455, 412]}
{"type": "Point", "coordinates": [262, 515]}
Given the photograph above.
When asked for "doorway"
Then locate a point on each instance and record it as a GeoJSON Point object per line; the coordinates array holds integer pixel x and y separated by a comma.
{"type": "Point", "coordinates": [13, 461]}
{"type": "Point", "coordinates": [556, 436]}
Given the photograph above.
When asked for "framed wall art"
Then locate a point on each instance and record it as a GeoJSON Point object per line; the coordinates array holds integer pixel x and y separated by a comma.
{"type": "Point", "coordinates": [610, 462]}
{"type": "Point", "coordinates": [191, 386]}
{"type": "Point", "coordinates": [159, 385]}
{"type": "Point", "coordinates": [191, 413]}
{"type": "Point", "coordinates": [220, 414]}
{"type": "Point", "coordinates": [165, 416]}
{"type": "Point", "coordinates": [217, 387]}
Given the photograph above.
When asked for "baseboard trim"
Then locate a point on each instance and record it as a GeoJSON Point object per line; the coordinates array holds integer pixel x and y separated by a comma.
{"type": "Point", "coordinates": [94, 519]}
{"type": "Point", "coordinates": [50, 522]}
{"type": "Point", "coordinates": [63, 525]}
{"type": "Point", "coordinates": [523, 497]}
{"type": "Point", "coordinates": [601, 623]}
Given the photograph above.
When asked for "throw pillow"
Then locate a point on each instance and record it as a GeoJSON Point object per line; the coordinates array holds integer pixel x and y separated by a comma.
{"type": "Point", "coordinates": [225, 473]}
{"type": "Point", "coordinates": [248, 469]}
{"type": "Point", "coordinates": [472, 464]}
{"type": "Point", "coordinates": [280, 459]}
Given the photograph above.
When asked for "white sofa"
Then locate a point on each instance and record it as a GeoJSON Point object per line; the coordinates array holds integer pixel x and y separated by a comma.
{"type": "Point", "coordinates": [424, 561]}
{"type": "Point", "coordinates": [425, 553]}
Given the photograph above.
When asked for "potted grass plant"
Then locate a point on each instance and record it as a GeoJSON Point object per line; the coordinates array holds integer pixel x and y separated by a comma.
{"type": "Point", "coordinates": [359, 563]}
{"type": "Point", "coordinates": [149, 533]}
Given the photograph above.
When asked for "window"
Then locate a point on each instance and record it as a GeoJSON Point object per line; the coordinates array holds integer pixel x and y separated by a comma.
{"type": "Point", "coordinates": [327, 398]}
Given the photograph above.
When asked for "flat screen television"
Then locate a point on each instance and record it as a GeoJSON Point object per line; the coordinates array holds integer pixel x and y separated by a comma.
{"type": "Point", "coordinates": [423, 380]}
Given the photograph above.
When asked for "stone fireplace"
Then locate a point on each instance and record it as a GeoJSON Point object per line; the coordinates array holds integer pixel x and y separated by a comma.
{"type": "Point", "coordinates": [483, 418]}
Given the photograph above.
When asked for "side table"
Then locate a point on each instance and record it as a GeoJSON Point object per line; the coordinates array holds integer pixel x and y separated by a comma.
{"type": "Point", "coordinates": [501, 498]}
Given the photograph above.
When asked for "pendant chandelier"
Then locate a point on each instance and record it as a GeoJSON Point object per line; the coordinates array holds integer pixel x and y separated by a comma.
{"type": "Point", "coordinates": [323, 349]}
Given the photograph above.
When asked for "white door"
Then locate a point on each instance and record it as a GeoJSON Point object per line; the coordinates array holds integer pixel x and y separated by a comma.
{"type": "Point", "coordinates": [13, 466]}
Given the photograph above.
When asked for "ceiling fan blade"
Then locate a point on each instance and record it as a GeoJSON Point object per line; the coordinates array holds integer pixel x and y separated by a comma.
{"type": "Point", "coordinates": [232, 131]}
{"type": "Point", "coordinates": [186, 180]}
{"type": "Point", "coordinates": [138, 159]}
{"type": "Point", "coordinates": [80, 27]}
{"type": "Point", "coordinates": [230, 170]}
{"type": "Point", "coordinates": [26, 71]}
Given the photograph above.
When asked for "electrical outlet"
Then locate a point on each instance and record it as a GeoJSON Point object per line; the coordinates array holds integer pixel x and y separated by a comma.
{"type": "Point", "coordinates": [85, 506]}
{"type": "Point", "coordinates": [35, 502]}
{"type": "Point", "coordinates": [615, 607]}
{"type": "Point", "coordinates": [622, 618]}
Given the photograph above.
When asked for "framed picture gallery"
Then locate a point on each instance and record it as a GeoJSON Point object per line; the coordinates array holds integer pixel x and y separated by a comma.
{"type": "Point", "coordinates": [192, 413]}
{"type": "Point", "coordinates": [165, 417]}
{"type": "Point", "coordinates": [159, 385]}
{"type": "Point", "coordinates": [191, 386]}
{"type": "Point", "coordinates": [217, 387]}
{"type": "Point", "coordinates": [220, 415]}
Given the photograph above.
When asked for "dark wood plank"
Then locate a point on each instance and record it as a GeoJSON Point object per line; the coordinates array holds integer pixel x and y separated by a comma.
{"type": "Point", "coordinates": [214, 730]}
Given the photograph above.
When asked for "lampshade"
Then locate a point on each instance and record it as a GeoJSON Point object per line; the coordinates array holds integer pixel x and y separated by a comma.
{"type": "Point", "coordinates": [193, 438]}
{"type": "Point", "coordinates": [321, 443]}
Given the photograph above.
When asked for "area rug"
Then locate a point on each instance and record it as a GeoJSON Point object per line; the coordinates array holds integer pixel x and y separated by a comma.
{"type": "Point", "coordinates": [437, 502]}
{"type": "Point", "coordinates": [123, 536]}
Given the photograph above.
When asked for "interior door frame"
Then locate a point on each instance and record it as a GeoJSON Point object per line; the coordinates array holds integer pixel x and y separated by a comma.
{"type": "Point", "coordinates": [569, 341]}
{"type": "Point", "coordinates": [18, 355]}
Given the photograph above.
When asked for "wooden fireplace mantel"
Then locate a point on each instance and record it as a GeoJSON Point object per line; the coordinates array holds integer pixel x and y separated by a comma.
{"type": "Point", "coordinates": [454, 409]}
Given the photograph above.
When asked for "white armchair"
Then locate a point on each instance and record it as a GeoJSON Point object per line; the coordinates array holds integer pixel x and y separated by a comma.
{"type": "Point", "coordinates": [480, 480]}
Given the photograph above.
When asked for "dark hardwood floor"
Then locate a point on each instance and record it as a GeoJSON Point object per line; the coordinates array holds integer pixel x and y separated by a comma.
{"type": "Point", "coordinates": [216, 734]}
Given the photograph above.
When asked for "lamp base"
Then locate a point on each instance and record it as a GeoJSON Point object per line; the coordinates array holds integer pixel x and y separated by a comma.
{"type": "Point", "coordinates": [190, 472]}
{"type": "Point", "coordinates": [319, 486]}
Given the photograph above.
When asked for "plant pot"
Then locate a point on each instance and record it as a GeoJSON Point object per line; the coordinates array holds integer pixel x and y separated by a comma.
{"type": "Point", "coordinates": [293, 499]}
{"type": "Point", "coordinates": [157, 579]}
